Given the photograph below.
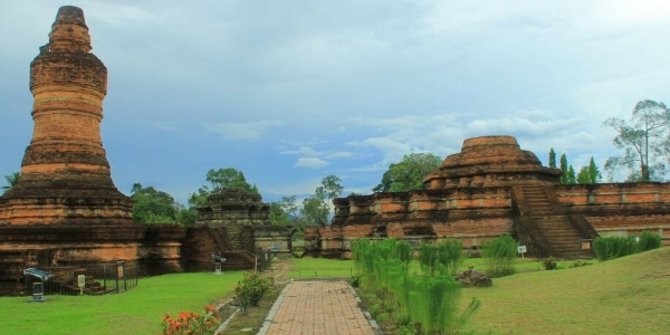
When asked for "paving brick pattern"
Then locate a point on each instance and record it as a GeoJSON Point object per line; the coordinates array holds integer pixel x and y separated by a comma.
{"type": "Point", "coordinates": [319, 307]}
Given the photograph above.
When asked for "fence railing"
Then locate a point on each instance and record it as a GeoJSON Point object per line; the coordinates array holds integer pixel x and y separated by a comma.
{"type": "Point", "coordinates": [98, 278]}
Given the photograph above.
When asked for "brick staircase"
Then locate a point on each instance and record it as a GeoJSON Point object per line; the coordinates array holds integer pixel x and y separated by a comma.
{"type": "Point", "coordinates": [556, 228]}
{"type": "Point", "coordinates": [236, 259]}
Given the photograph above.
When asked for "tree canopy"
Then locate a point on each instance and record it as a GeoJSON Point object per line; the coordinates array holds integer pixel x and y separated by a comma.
{"type": "Point", "coordinates": [221, 180]}
{"type": "Point", "coordinates": [11, 180]}
{"type": "Point", "coordinates": [153, 206]}
{"type": "Point", "coordinates": [589, 174]}
{"type": "Point", "coordinates": [644, 141]}
{"type": "Point", "coordinates": [407, 175]}
{"type": "Point", "coordinates": [316, 209]}
{"type": "Point", "coordinates": [284, 212]}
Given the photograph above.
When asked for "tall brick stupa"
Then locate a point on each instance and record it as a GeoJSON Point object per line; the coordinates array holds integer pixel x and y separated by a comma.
{"type": "Point", "coordinates": [65, 176]}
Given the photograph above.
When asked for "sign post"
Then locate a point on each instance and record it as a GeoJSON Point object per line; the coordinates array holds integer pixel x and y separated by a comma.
{"type": "Point", "coordinates": [522, 250]}
{"type": "Point", "coordinates": [81, 283]}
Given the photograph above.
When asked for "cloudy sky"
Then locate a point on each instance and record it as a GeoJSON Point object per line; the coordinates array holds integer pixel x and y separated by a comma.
{"type": "Point", "coordinates": [291, 91]}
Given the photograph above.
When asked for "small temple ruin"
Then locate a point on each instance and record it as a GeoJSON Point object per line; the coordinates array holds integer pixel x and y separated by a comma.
{"type": "Point", "coordinates": [65, 211]}
{"type": "Point", "coordinates": [490, 188]}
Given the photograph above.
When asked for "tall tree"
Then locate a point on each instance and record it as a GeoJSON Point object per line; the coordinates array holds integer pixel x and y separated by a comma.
{"type": "Point", "coordinates": [11, 180]}
{"type": "Point", "coordinates": [407, 175]}
{"type": "Point", "coordinates": [316, 209]}
{"type": "Point", "coordinates": [552, 158]}
{"type": "Point", "coordinates": [221, 180]}
{"type": "Point", "coordinates": [564, 169]}
{"type": "Point", "coordinates": [571, 178]}
{"type": "Point", "coordinates": [644, 141]}
{"type": "Point", "coordinates": [283, 212]}
{"type": "Point", "coordinates": [153, 206]}
{"type": "Point", "coordinates": [589, 174]}
{"type": "Point", "coordinates": [229, 179]}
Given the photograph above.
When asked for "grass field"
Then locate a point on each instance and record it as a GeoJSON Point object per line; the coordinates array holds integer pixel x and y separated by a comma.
{"type": "Point", "coordinates": [629, 295]}
{"type": "Point", "coordinates": [308, 267]}
{"type": "Point", "coordinates": [335, 268]}
{"type": "Point", "coordinates": [138, 311]}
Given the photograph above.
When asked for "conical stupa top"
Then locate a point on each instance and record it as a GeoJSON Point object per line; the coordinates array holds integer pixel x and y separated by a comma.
{"type": "Point", "coordinates": [69, 32]}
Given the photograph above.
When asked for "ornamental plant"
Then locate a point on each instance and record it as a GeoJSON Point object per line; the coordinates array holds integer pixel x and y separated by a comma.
{"type": "Point", "coordinates": [189, 323]}
{"type": "Point", "coordinates": [614, 247]}
{"type": "Point", "coordinates": [648, 241]}
{"type": "Point", "coordinates": [500, 253]}
{"type": "Point", "coordinates": [251, 289]}
{"type": "Point", "coordinates": [421, 304]}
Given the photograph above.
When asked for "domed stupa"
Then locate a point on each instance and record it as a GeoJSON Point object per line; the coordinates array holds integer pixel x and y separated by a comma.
{"type": "Point", "coordinates": [490, 161]}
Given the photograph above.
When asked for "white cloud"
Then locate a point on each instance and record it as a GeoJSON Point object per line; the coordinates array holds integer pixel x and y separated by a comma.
{"type": "Point", "coordinates": [311, 157]}
{"type": "Point", "coordinates": [310, 163]}
{"type": "Point", "coordinates": [243, 131]}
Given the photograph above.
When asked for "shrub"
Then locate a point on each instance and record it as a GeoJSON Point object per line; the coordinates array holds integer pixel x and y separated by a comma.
{"type": "Point", "coordinates": [451, 255]}
{"type": "Point", "coordinates": [549, 263]}
{"type": "Point", "coordinates": [648, 241]}
{"type": "Point", "coordinates": [418, 304]}
{"type": "Point", "coordinates": [443, 258]}
{"type": "Point", "coordinates": [355, 281]}
{"type": "Point", "coordinates": [251, 289]}
{"type": "Point", "coordinates": [205, 323]}
{"type": "Point", "coordinates": [613, 247]}
{"type": "Point", "coordinates": [428, 259]}
{"type": "Point", "coordinates": [579, 263]}
{"type": "Point", "coordinates": [500, 254]}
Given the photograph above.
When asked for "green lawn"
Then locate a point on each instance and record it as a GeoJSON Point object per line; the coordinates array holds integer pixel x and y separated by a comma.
{"type": "Point", "coordinates": [308, 267]}
{"type": "Point", "coordinates": [630, 295]}
{"type": "Point", "coordinates": [336, 268]}
{"type": "Point", "coordinates": [138, 311]}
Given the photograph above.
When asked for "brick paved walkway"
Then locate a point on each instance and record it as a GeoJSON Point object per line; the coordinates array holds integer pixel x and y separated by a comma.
{"type": "Point", "coordinates": [316, 307]}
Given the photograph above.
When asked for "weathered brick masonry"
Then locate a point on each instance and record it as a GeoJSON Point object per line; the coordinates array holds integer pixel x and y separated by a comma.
{"type": "Point", "coordinates": [492, 187]}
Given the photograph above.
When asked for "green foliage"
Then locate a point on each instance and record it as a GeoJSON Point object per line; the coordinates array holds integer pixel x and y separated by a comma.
{"type": "Point", "coordinates": [614, 247]}
{"type": "Point", "coordinates": [428, 259]}
{"type": "Point", "coordinates": [407, 175]}
{"type": "Point", "coordinates": [11, 180]}
{"type": "Point", "coordinates": [579, 263]}
{"type": "Point", "coordinates": [571, 178]}
{"type": "Point", "coordinates": [355, 281]}
{"type": "Point", "coordinates": [251, 289]}
{"type": "Point", "coordinates": [429, 303]}
{"type": "Point", "coordinates": [644, 141]}
{"type": "Point", "coordinates": [283, 212]}
{"type": "Point", "coordinates": [443, 258]}
{"type": "Point", "coordinates": [229, 179]}
{"type": "Point", "coordinates": [552, 158]}
{"type": "Point", "coordinates": [589, 174]}
{"type": "Point", "coordinates": [500, 253]}
{"type": "Point", "coordinates": [316, 208]}
{"type": "Point", "coordinates": [221, 180]}
{"type": "Point", "coordinates": [564, 169]}
{"type": "Point", "coordinates": [153, 206]}
{"type": "Point", "coordinates": [549, 263]}
{"type": "Point", "coordinates": [648, 241]}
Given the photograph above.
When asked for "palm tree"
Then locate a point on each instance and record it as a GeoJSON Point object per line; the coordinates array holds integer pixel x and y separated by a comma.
{"type": "Point", "coordinates": [11, 180]}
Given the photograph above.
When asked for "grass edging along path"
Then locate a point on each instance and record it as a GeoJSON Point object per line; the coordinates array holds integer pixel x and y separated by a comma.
{"type": "Point", "coordinates": [629, 295]}
{"type": "Point", "coordinates": [138, 311]}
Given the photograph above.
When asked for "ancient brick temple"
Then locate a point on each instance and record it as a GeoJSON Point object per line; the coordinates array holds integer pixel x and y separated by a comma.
{"type": "Point", "coordinates": [236, 225]}
{"type": "Point", "coordinates": [490, 188]}
{"type": "Point", "coordinates": [65, 176]}
{"type": "Point", "coordinates": [65, 207]}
